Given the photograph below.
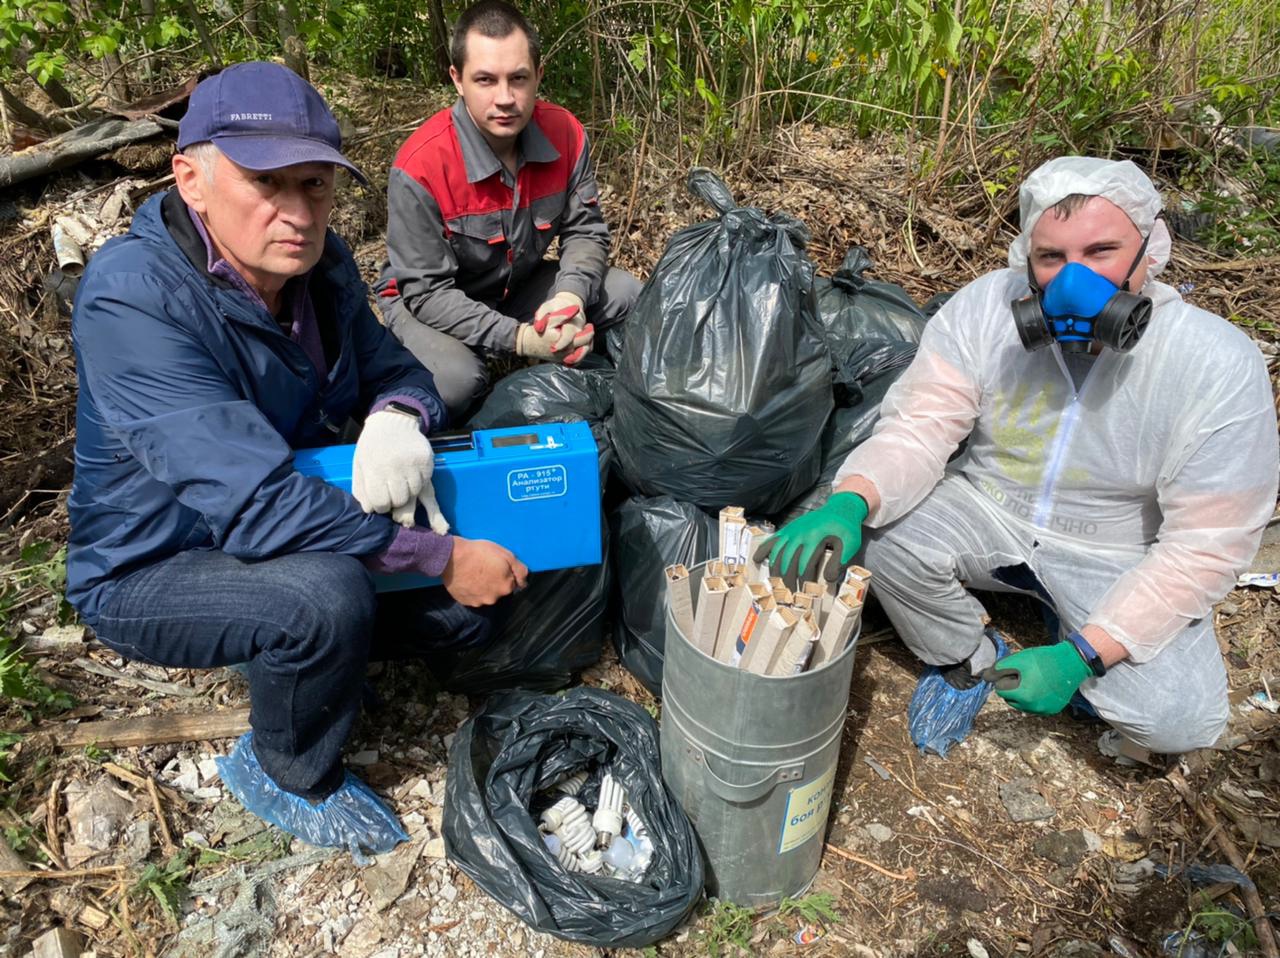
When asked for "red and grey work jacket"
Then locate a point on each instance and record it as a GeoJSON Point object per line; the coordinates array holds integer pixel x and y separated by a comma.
{"type": "Point", "coordinates": [463, 232]}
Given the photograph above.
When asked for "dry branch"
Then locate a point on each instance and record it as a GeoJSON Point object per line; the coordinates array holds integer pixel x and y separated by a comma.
{"type": "Point", "coordinates": [155, 730]}
{"type": "Point", "coordinates": [910, 874]}
{"type": "Point", "coordinates": [65, 873]}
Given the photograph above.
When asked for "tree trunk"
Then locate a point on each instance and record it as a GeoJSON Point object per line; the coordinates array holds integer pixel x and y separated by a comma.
{"type": "Point", "coordinates": [84, 143]}
{"type": "Point", "coordinates": [253, 18]}
{"type": "Point", "coordinates": [17, 111]}
{"type": "Point", "coordinates": [206, 41]}
{"type": "Point", "coordinates": [294, 47]}
{"type": "Point", "coordinates": [148, 8]}
{"type": "Point", "coordinates": [114, 80]}
{"type": "Point", "coordinates": [117, 80]}
{"type": "Point", "coordinates": [440, 46]}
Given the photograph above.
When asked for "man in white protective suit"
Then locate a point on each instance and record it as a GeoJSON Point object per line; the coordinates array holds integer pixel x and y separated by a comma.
{"type": "Point", "coordinates": [1121, 465]}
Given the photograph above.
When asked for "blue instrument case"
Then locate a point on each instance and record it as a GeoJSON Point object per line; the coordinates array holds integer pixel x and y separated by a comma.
{"type": "Point", "coordinates": [534, 489]}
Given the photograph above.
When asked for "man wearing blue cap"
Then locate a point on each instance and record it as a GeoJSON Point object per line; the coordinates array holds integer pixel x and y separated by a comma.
{"type": "Point", "coordinates": [228, 328]}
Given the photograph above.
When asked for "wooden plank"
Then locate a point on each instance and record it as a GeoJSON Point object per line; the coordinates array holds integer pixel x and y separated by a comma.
{"type": "Point", "coordinates": [155, 729]}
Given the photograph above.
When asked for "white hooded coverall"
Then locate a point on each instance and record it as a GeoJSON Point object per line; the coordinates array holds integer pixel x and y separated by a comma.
{"type": "Point", "coordinates": [1135, 501]}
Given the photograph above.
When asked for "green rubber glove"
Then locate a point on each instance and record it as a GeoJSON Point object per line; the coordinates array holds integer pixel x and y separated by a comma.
{"type": "Point", "coordinates": [1040, 680]}
{"type": "Point", "coordinates": [797, 548]}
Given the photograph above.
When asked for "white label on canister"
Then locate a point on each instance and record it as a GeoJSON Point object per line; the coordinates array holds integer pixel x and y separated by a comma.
{"type": "Point", "coordinates": [806, 813]}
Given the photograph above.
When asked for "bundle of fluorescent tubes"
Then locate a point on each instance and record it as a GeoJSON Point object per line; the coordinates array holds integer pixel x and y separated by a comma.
{"type": "Point", "coordinates": [745, 618]}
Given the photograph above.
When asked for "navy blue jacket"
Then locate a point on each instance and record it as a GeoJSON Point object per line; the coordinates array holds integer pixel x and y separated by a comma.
{"type": "Point", "coordinates": [192, 402]}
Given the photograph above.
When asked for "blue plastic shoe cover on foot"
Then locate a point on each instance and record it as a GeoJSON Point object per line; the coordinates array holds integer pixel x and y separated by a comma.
{"type": "Point", "coordinates": [939, 715]}
{"type": "Point", "coordinates": [353, 817]}
{"type": "Point", "coordinates": [1081, 709]}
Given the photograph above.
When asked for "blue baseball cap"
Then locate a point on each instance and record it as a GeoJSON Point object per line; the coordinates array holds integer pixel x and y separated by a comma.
{"type": "Point", "coordinates": [263, 116]}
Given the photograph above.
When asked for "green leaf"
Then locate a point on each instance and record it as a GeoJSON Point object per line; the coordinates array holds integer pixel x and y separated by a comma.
{"type": "Point", "coordinates": [7, 741]}
{"type": "Point", "coordinates": [99, 45]}
{"type": "Point", "coordinates": [705, 92]}
{"type": "Point", "coordinates": [638, 55]}
{"type": "Point", "coordinates": [170, 29]}
{"type": "Point", "coordinates": [39, 551]}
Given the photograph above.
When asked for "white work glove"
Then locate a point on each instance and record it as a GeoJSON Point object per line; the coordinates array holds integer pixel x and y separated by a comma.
{"type": "Point", "coordinates": [553, 334]}
{"type": "Point", "coordinates": [435, 518]}
{"type": "Point", "coordinates": [568, 305]}
{"type": "Point", "coordinates": [392, 466]}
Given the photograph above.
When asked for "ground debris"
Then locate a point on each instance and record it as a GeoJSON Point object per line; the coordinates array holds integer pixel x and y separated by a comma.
{"type": "Point", "coordinates": [96, 814]}
{"type": "Point", "coordinates": [1065, 848]}
{"type": "Point", "coordinates": [1023, 801]}
{"type": "Point", "coordinates": [389, 876]}
{"type": "Point", "coordinates": [57, 943]}
{"type": "Point", "coordinates": [954, 893]}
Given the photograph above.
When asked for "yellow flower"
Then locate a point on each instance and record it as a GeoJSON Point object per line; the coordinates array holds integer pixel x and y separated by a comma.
{"type": "Point", "coordinates": [837, 63]}
{"type": "Point", "coordinates": [942, 72]}
{"type": "Point", "coordinates": [811, 57]}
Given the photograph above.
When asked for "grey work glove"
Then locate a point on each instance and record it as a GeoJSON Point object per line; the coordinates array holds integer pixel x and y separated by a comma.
{"type": "Point", "coordinates": [392, 466]}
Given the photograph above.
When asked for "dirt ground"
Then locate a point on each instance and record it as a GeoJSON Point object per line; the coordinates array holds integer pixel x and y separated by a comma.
{"type": "Point", "coordinates": [923, 855]}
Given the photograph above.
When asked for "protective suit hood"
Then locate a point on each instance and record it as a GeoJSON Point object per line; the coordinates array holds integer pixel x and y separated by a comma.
{"type": "Point", "coordinates": [1119, 181]}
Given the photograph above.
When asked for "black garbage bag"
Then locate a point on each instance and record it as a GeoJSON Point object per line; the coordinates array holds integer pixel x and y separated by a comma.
{"type": "Point", "coordinates": [615, 341]}
{"type": "Point", "coordinates": [936, 302]}
{"type": "Point", "coordinates": [871, 360]}
{"type": "Point", "coordinates": [518, 744]}
{"type": "Point", "coordinates": [862, 383]}
{"type": "Point", "coordinates": [549, 630]}
{"type": "Point", "coordinates": [853, 308]}
{"type": "Point", "coordinates": [549, 392]}
{"type": "Point", "coordinates": [649, 535]}
{"type": "Point", "coordinates": [556, 625]}
{"type": "Point", "coordinates": [724, 385]}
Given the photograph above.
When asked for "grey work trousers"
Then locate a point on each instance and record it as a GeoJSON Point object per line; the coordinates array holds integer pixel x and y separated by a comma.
{"type": "Point", "coordinates": [1175, 702]}
{"type": "Point", "coordinates": [459, 369]}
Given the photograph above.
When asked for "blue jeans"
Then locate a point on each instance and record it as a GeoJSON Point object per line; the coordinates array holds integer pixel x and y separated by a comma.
{"type": "Point", "coordinates": [306, 624]}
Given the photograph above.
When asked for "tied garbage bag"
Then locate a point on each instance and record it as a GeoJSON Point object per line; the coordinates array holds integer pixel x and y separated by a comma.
{"type": "Point", "coordinates": [555, 626]}
{"type": "Point", "coordinates": [724, 385]}
{"type": "Point", "coordinates": [519, 744]}
{"type": "Point", "coordinates": [861, 385]}
{"type": "Point", "coordinates": [853, 308]}
{"type": "Point", "coordinates": [649, 535]}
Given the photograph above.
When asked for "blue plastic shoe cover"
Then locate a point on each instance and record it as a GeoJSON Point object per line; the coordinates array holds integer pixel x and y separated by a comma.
{"type": "Point", "coordinates": [1081, 709]}
{"type": "Point", "coordinates": [353, 817]}
{"type": "Point", "coordinates": [940, 715]}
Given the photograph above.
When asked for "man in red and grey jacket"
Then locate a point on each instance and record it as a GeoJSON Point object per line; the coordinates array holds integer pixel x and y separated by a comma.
{"type": "Point", "coordinates": [476, 195]}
